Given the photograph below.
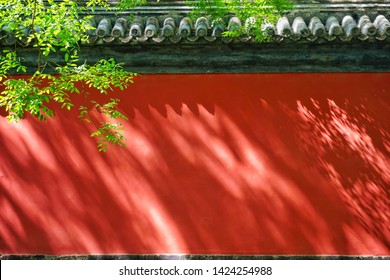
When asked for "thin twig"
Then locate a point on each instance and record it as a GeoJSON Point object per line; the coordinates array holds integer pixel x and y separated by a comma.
{"type": "Point", "coordinates": [84, 92]}
{"type": "Point", "coordinates": [33, 15]}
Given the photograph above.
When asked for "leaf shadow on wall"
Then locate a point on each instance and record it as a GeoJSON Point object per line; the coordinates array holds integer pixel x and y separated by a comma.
{"type": "Point", "coordinates": [214, 164]}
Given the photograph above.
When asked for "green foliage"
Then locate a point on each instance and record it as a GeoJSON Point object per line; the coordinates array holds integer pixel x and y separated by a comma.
{"type": "Point", "coordinates": [53, 26]}
{"type": "Point", "coordinates": [56, 26]}
{"type": "Point", "coordinates": [97, 3]}
{"type": "Point", "coordinates": [107, 132]}
{"type": "Point", "coordinates": [9, 61]}
{"type": "Point", "coordinates": [50, 26]}
{"type": "Point", "coordinates": [126, 4]}
{"type": "Point", "coordinates": [20, 96]}
{"type": "Point", "coordinates": [121, 4]}
{"type": "Point", "coordinates": [254, 14]}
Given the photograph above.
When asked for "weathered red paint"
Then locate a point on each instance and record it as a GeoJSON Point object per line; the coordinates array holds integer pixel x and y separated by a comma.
{"type": "Point", "coordinates": [214, 164]}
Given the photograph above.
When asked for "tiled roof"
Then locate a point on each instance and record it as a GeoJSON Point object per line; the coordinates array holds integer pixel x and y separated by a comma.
{"type": "Point", "coordinates": [318, 35]}
{"type": "Point", "coordinates": [167, 22]}
{"type": "Point", "coordinates": [175, 30]}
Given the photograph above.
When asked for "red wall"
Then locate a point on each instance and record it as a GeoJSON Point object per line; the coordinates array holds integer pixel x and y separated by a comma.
{"type": "Point", "coordinates": [214, 164]}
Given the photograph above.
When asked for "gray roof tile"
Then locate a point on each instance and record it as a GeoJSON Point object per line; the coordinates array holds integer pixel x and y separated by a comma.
{"type": "Point", "coordinates": [183, 30]}
{"type": "Point", "coordinates": [318, 22]}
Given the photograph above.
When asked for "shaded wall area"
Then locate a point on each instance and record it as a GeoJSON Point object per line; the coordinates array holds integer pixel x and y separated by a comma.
{"type": "Point", "coordinates": [214, 164]}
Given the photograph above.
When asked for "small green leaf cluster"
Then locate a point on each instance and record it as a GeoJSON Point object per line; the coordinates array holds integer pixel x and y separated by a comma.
{"type": "Point", "coordinates": [9, 61]}
{"type": "Point", "coordinates": [127, 4]}
{"type": "Point", "coordinates": [107, 132]}
{"type": "Point", "coordinates": [254, 14]}
{"type": "Point", "coordinates": [120, 5]}
{"type": "Point", "coordinates": [22, 96]}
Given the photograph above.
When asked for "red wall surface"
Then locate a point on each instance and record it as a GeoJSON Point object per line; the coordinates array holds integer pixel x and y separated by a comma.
{"type": "Point", "coordinates": [214, 164]}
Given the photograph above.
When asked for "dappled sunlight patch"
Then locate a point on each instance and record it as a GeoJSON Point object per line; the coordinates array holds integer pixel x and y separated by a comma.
{"type": "Point", "coordinates": [168, 237]}
{"type": "Point", "coordinates": [28, 142]}
{"type": "Point", "coordinates": [12, 227]}
{"type": "Point", "coordinates": [346, 154]}
{"type": "Point", "coordinates": [261, 172]}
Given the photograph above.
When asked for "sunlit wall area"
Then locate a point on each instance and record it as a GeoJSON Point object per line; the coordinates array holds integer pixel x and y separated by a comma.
{"type": "Point", "coordinates": [213, 164]}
